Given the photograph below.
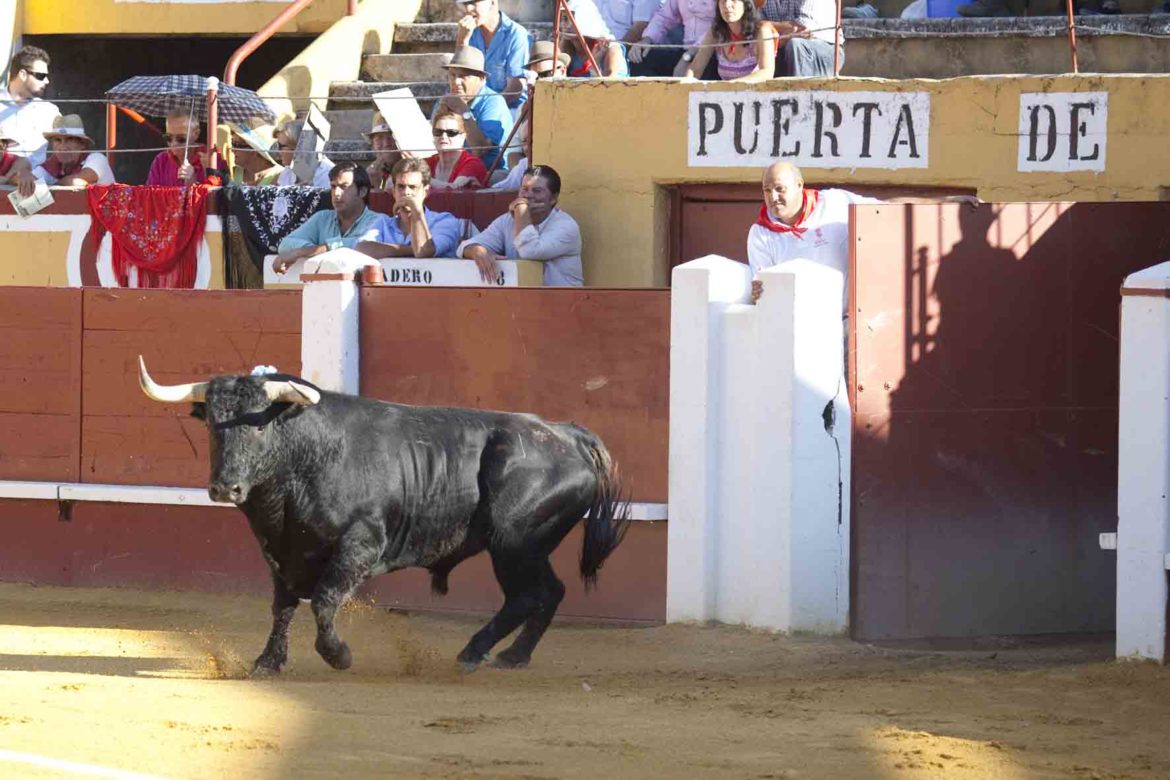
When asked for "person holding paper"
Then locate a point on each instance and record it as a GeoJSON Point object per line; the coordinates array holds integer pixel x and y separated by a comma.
{"type": "Point", "coordinates": [15, 170]}
{"type": "Point", "coordinates": [485, 115]}
{"type": "Point", "coordinates": [24, 115]}
{"type": "Point", "coordinates": [288, 134]}
{"type": "Point", "coordinates": [414, 230]}
{"type": "Point", "coordinates": [349, 223]}
{"type": "Point", "coordinates": [386, 153]}
{"type": "Point", "coordinates": [70, 163]}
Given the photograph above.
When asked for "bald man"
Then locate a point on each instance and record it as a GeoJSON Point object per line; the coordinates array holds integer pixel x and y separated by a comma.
{"type": "Point", "coordinates": [799, 222]}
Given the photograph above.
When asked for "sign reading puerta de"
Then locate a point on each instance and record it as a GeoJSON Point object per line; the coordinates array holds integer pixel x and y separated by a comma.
{"type": "Point", "coordinates": [818, 129]}
{"type": "Point", "coordinates": [1058, 131]}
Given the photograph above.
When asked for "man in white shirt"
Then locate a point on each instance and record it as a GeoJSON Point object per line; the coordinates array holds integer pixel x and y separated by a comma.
{"type": "Point", "coordinates": [533, 229]}
{"type": "Point", "coordinates": [24, 116]}
{"type": "Point", "coordinates": [70, 163]}
{"type": "Point", "coordinates": [797, 222]}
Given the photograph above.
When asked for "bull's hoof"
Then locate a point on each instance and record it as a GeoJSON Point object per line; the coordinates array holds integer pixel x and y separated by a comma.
{"type": "Point", "coordinates": [339, 657]}
{"type": "Point", "coordinates": [507, 659]}
{"type": "Point", "coordinates": [266, 667]}
{"type": "Point", "coordinates": [469, 660]}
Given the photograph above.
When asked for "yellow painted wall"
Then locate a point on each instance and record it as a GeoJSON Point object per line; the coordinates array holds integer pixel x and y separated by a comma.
{"type": "Point", "coordinates": [619, 145]}
{"type": "Point", "coordinates": [37, 259]}
{"type": "Point", "coordinates": [50, 17]}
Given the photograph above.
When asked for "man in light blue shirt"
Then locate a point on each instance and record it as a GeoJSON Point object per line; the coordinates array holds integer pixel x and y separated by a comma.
{"type": "Point", "coordinates": [350, 223]}
{"type": "Point", "coordinates": [504, 44]}
{"type": "Point", "coordinates": [485, 114]}
{"type": "Point", "coordinates": [414, 230]}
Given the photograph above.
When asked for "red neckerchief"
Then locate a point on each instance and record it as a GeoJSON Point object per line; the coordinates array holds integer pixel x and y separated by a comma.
{"type": "Point", "coordinates": [733, 47]}
{"type": "Point", "coordinates": [585, 69]}
{"type": "Point", "coordinates": [811, 198]}
{"type": "Point", "coordinates": [58, 170]}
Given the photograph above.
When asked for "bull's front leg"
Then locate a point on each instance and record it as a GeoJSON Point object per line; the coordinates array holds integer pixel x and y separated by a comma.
{"type": "Point", "coordinates": [284, 606]}
{"type": "Point", "coordinates": [357, 553]}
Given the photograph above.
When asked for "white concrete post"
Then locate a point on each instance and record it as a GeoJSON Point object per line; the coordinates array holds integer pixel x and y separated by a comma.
{"type": "Point", "coordinates": [759, 525]}
{"type": "Point", "coordinates": [1143, 468]}
{"type": "Point", "coordinates": [330, 330]}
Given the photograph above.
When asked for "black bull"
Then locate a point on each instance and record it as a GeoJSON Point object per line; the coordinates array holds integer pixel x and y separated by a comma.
{"type": "Point", "coordinates": [339, 488]}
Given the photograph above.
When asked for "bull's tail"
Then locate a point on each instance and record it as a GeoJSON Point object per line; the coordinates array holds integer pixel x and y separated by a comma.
{"type": "Point", "coordinates": [608, 518]}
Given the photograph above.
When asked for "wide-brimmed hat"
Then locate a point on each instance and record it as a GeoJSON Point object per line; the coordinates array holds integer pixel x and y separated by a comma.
{"type": "Point", "coordinates": [467, 58]}
{"type": "Point", "coordinates": [68, 126]}
{"type": "Point", "coordinates": [542, 51]}
{"type": "Point", "coordinates": [259, 139]}
{"type": "Point", "coordinates": [379, 126]}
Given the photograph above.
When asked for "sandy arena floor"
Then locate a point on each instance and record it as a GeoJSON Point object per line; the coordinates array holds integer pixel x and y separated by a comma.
{"type": "Point", "coordinates": [120, 682]}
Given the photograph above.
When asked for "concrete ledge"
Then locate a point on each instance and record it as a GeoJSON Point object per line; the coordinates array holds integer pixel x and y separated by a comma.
{"type": "Point", "coordinates": [1005, 27]}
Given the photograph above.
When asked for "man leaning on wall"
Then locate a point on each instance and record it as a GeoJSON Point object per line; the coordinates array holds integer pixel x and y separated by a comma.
{"type": "Point", "coordinates": [24, 114]}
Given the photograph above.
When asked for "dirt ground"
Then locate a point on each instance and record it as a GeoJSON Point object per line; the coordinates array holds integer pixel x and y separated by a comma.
{"type": "Point", "coordinates": [117, 683]}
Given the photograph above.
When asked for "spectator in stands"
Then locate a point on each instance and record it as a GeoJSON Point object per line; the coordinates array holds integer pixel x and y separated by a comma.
{"type": "Point", "coordinates": [70, 163]}
{"type": "Point", "coordinates": [349, 223]}
{"type": "Point", "coordinates": [750, 61]}
{"type": "Point", "coordinates": [627, 19]}
{"type": "Point", "coordinates": [516, 175]}
{"type": "Point", "coordinates": [485, 115]}
{"type": "Point", "coordinates": [503, 42]}
{"type": "Point", "coordinates": [533, 229]}
{"type": "Point", "coordinates": [695, 17]}
{"type": "Point", "coordinates": [15, 170]}
{"type": "Point", "coordinates": [607, 52]}
{"type": "Point", "coordinates": [541, 61]}
{"type": "Point", "coordinates": [414, 230]}
{"type": "Point", "coordinates": [452, 167]}
{"type": "Point", "coordinates": [807, 34]}
{"type": "Point", "coordinates": [386, 153]}
{"type": "Point", "coordinates": [24, 115]}
{"type": "Point", "coordinates": [288, 133]}
{"type": "Point", "coordinates": [254, 164]}
{"type": "Point", "coordinates": [169, 168]}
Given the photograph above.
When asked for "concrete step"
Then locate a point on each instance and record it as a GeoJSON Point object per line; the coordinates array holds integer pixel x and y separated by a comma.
{"type": "Point", "coordinates": [520, 10]}
{"type": "Point", "coordinates": [427, 66]}
{"type": "Point", "coordinates": [346, 149]}
{"type": "Point", "coordinates": [435, 37]}
{"type": "Point", "coordinates": [349, 123]}
{"type": "Point", "coordinates": [356, 95]}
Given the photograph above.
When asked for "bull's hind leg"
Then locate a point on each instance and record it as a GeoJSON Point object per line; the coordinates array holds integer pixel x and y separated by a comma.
{"type": "Point", "coordinates": [357, 553]}
{"type": "Point", "coordinates": [275, 655]}
{"type": "Point", "coordinates": [552, 590]}
{"type": "Point", "coordinates": [520, 582]}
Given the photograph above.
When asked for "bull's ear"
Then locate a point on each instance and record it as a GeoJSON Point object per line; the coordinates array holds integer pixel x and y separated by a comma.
{"type": "Point", "coordinates": [199, 411]}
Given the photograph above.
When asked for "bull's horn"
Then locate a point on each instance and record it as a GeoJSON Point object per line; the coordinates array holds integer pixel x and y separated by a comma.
{"type": "Point", "coordinates": [291, 393]}
{"type": "Point", "coordinates": [173, 394]}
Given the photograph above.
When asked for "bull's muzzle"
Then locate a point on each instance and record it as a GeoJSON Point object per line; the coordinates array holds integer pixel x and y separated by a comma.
{"type": "Point", "coordinates": [227, 494]}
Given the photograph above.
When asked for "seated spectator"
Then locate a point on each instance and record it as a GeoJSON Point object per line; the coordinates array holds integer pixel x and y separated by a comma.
{"type": "Point", "coordinates": [503, 43]}
{"type": "Point", "coordinates": [752, 60]}
{"type": "Point", "coordinates": [486, 118]}
{"type": "Point", "coordinates": [15, 170]}
{"type": "Point", "coordinates": [386, 153]}
{"type": "Point", "coordinates": [254, 164]}
{"type": "Point", "coordinates": [453, 167]}
{"type": "Point", "coordinates": [541, 62]}
{"type": "Point", "coordinates": [807, 34]}
{"type": "Point", "coordinates": [609, 55]}
{"type": "Point", "coordinates": [695, 17]}
{"type": "Point", "coordinates": [627, 19]}
{"type": "Point", "coordinates": [533, 229]}
{"type": "Point", "coordinates": [169, 168]}
{"type": "Point", "coordinates": [414, 230]}
{"type": "Point", "coordinates": [70, 163]}
{"type": "Point", "coordinates": [288, 133]}
{"type": "Point", "coordinates": [516, 175]}
{"type": "Point", "coordinates": [24, 115]}
{"type": "Point", "coordinates": [349, 223]}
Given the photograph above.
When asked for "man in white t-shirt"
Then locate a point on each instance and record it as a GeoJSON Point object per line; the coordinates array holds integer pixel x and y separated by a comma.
{"type": "Point", "coordinates": [797, 222]}
{"type": "Point", "coordinates": [70, 163]}
{"type": "Point", "coordinates": [24, 116]}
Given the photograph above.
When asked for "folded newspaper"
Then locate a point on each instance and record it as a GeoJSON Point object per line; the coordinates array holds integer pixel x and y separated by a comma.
{"type": "Point", "coordinates": [26, 207]}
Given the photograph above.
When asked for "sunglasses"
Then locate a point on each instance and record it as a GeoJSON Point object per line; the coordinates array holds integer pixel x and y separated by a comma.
{"type": "Point", "coordinates": [39, 75]}
{"type": "Point", "coordinates": [449, 133]}
{"type": "Point", "coordinates": [174, 138]}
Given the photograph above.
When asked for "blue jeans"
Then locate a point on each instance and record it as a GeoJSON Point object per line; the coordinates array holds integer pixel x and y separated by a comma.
{"type": "Point", "coordinates": [806, 57]}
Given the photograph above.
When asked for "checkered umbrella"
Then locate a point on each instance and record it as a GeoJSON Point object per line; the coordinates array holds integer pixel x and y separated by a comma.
{"type": "Point", "coordinates": [166, 95]}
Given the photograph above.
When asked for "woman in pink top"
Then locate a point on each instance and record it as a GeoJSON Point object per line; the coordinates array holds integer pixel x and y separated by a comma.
{"type": "Point", "coordinates": [749, 45]}
{"type": "Point", "coordinates": [453, 167]}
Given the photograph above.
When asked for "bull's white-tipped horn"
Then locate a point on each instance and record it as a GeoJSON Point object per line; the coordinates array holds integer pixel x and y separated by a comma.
{"type": "Point", "coordinates": [291, 393]}
{"type": "Point", "coordinates": [173, 394]}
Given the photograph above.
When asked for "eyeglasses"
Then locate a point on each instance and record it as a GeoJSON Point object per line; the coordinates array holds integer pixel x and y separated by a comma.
{"type": "Point", "coordinates": [39, 75]}
{"type": "Point", "coordinates": [450, 133]}
{"type": "Point", "coordinates": [175, 138]}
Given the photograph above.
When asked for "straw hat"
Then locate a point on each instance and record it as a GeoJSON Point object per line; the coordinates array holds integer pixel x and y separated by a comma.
{"type": "Point", "coordinates": [68, 126]}
{"type": "Point", "coordinates": [379, 126]}
{"type": "Point", "coordinates": [467, 58]}
{"type": "Point", "coordinates": [542, 51]}
{"type": "Point", "coordinates": [259, 139]}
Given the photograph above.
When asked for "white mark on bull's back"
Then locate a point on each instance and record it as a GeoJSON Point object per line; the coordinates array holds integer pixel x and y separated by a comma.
{"type": "Point", "coordinates": [596, 383]}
